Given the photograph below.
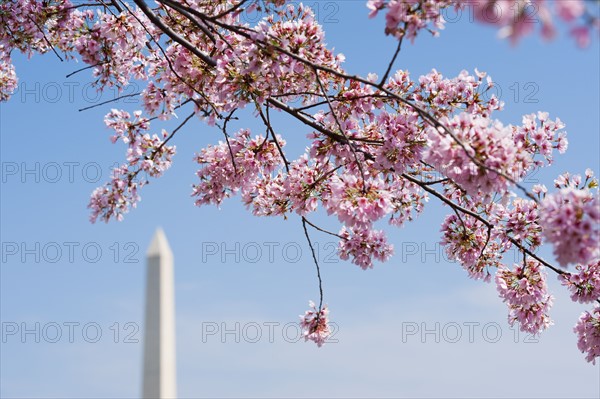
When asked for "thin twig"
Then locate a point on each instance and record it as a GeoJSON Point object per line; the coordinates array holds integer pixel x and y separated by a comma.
{"type": "Point", "coordinates": [314, 256]}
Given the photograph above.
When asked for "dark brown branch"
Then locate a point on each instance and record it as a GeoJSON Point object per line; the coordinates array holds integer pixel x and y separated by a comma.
{"type": "Point", "coordinates": [339, 124]}
{"type": "Point", "coordinates": [312, 250]}
{"type": "Point", "coordinates": [391, 64]}
{"type": "Point", "coordinates": [174, 36]}
{"type": "Point", "coordinates": [109, 101]}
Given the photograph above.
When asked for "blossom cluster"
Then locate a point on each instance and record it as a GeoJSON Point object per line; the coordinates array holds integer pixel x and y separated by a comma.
{"type": "Point", "coordinates": [518, 18]}
{"type": "Point", "coordinates": [478, 157]}
{"type": "Point", "coordinates": [570, 220]}
{"type": "Point", "coordinates": [403, 141]}
{"type": "Point", "coordinates": [584, 285]}
{"type": "Point", "coordinates": [540, 136]}
{"type": "Point", "coordinates": [515, 18]}
{"type": "Point", "coordinates": [444, 95]}
{"type": "Point", "coordinates": [519, 221]}
{"type": "Point", "coordinates": [407, 18]}
{"type": "Point", "coordinates": [145, 153]}
{"type": "Point", "coordinates": [375, 146]}
{"type": "Point", "coordinates": [364, 245]}
{"type": "Point", "coordinates": [234, 165]}
{"type": "Point", "coordinates": [315, 324]}
{"type": "Point", "coordinates": [467, 240]}
{"type": "Point", "coordinates": [588, 334]}
{"type": "Point", "coordinates": [8, 77]}
{"type": "Point", "coordinates": [525, 292]}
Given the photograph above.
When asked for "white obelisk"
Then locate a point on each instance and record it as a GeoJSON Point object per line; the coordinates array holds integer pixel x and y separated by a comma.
{"type": "Point", "coordinates": [159, 338]}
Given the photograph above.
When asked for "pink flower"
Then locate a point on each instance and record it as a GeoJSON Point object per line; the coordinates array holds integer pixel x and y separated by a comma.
{"type": "Point", "coordinates": [569, 219]}
{"type": "Point", "coordinates": [364, 245]}
{"type": "Point", "coordinates": [146, 153]}
{"type": "Point", "coordinates": [569, 10]}
{"type": "Point", "coordinates": [315, 324]}
{"type": "Point", "coordinates": [581, 35]}
{"type": "Point", "coordinates": [355, 203]}
{"type": "Point", "coordinates": [519, 221]}
{"type": "Point", "coordinates": [585, 285]}
{"type": "Point", "coordinates": [483, 140]}
{"type": "Point", "coordinates": [407, 18]}
{"type": "Point", "coordinates": [525, 292]}
{"type": "Point", "coordinates": [466, 241]}
{"type": "Point", "coordinates": [374, 6]}
{"type": "Point", "coordinates": [236, 165]}
{"type": "Point", "coordinates": [588, 334]}
{"type": "Point", "coordinates": [8, 77]}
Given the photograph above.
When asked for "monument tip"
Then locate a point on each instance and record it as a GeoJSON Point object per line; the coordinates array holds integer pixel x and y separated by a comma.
{"type": "Point", "coordinates": [159, 246]}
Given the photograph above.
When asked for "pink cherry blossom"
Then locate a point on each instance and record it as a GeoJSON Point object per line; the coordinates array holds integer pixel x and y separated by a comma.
{"type": "Point", "coordinates": [525, 292]}
{"type": "Point", "coordinates": [407, 18]}
{"type": "Point", "coordinates": [145, 153]}
{"type": "Point", "coordinates": [515, 18]}
{"type": "Point", "coordinates": [520, 221]}
{"type": "Point", "coordinates": [315, 324]}
{"type": "Point", "coordinates": [364, 245]}
{"type": "Point", "coordinates": [466, 240]}
{"type": "Point", "coordinates": [357, 203]}
{"type": "Point", "coordinates": [8, 77]}
{"type": "Point", "coordinates": [588, 334]}
{"type": "Point", "coordinates": [234, 165]}
{"type": "Point", "coordinates": [378, 147]}
{"type": "Point", "coordinates": [480, 149]}
{"type": "Point", "coordinates": [584, 285]}
{"type": "Point", "coordinates": [570, 218]}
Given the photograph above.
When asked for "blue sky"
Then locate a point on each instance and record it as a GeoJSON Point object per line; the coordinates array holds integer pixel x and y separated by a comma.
{"type": "Point", "coordinates": [91, 277]}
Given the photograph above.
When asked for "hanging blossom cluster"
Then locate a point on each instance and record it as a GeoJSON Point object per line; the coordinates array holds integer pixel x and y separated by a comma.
{"type": "Point", "coordinates": [570, 220]}
{"type": "Point", "coordinates": [478, 157]}
{"type": "Point", "coordinates": [378, 149]}
{"type": "Point", "coordinates": [234, 165]}
{"type": "Point", "coordinates": [519, 18]}
{"type": "Point", "coordinates": [585, 284]}
{"type": "Point", "coordinates": [364, 245]}
{"type": "Point", "coordinates": [540, 136]}
{"type": "Point", "coordinates": [8, 77]}
{"type": "Point", "coordinates": [24, 31]}
{"type": "Point", "coordinates": [444, 95]}
{"type": "Point", "coordinates": [588, 334]}
{"type": "Point", "coordinates": [145, 153]}
{"type": "Point", "coordinates": [525, 292]}
{"type": "Point", "coordinates": [315, 324]}
{"type": "Point", "coordinates": [519, 220]}
{"type": "Point", "coordinates": [407, 18]}
{"type": "Point", "coordinates": [467, 241]}
{"type": "Point", "coordinates": [515, 18]}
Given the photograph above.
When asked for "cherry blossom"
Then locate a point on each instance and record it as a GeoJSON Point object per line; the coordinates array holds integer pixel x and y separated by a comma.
{"type": "Point", "coordinates": [468, 241]}
{"type": "Point", "coordinates": [378, 149]}
{"type": "Point", "coordinates": [145, 153]}
{"type": "Point", "coordinates": [234, 165]}
{"type": "Point", "coordinates": [584, 285]}
{"type": "Point", "coordinates": [525, 292]}
{"type": "Point", "coordinates": [480, 155]}
{"type": "Point", "coordinates": [588, 334]}
{"type": "Point", "coordinates": [520, 221]}
{"type": "Point", "coordinates": [516, 18]}
{"type": "Point", "coordinates": [315, 324]}
{"type": "Point", "coordinates": [406, 18]}
{"type": "Point", "coordinates": [364, 245]}
{"type": "Point", "coordinates": [570, 218]}
{"type": "Point", "coordinates": [8, 77]}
